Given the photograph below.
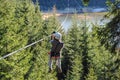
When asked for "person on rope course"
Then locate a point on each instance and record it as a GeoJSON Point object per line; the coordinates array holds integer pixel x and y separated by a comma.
{"type": "Point", "coordinates": [55, 53]}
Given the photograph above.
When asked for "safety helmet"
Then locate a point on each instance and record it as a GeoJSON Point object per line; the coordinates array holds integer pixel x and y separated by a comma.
{"type": "Point", "coordinates": [58, 36]}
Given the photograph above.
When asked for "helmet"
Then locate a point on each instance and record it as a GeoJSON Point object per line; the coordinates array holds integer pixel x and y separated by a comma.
{"type": "Point", "coordinates": [58, 35]}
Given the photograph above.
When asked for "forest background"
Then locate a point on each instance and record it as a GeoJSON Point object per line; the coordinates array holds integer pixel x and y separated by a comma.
{"type": "Point", "coordinates": [87, 54]}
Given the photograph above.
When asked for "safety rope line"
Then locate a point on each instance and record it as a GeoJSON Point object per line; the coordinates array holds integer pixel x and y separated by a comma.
{"type": "Point", "coordinates": [65, 17]}
{"type": "Point", "coordinates": [5, 56]}
{"type": "Point", "coordinates": [22, 48]}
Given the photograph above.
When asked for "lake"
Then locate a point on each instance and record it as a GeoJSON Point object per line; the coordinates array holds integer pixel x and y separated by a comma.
{"type": "Point", "coordinates": [96, 18]}
{"type": "Point", "coordinates": [66, 19]}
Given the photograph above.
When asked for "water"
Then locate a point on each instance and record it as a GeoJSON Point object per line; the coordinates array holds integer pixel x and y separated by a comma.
{"type": "Point", "coordinates": [95, 18]}
{"type": "Point", "coordinates": [66, 21]}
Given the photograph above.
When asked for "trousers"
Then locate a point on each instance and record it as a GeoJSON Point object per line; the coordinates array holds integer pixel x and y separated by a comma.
{"type": "Point", "coordinates": [57, 60]}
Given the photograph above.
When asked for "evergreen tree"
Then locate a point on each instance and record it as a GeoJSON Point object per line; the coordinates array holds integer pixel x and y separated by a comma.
{"type": "Point", "coordinates": [84, 49]}
{"type": "Point", "coordinates": [21, 26]}
{"type": "Point", "coordinates": [107, 35]}
{"type": "Point", "coordinates": [72, 60]}
{"type": "Point", "coordinates": [102, 60]}
{"type": "Point", "coordinates": [8, 38]}
{"type": "Point", "coordinates": [111, 29]}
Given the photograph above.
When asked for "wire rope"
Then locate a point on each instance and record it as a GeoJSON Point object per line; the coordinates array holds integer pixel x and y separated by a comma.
{"type": "Point", "coordinates": [65, 17]}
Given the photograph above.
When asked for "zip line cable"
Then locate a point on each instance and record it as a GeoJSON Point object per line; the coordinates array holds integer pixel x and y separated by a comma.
{"type": "Point", "coordinates": [21, 49]}
{"type": "Point", "coordinates": [65, 17]}
{"type": "Point", "coordinates": [14, 52]}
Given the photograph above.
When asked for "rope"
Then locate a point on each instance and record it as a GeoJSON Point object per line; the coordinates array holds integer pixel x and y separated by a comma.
{"type": "Point", "coordinates": [21, 49]}
{"type": "Point", "coordinates": [65, 17]}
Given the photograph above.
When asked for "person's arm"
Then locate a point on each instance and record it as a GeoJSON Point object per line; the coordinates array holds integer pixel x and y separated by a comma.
{"type": "Point", "coordinates": [52, 35]}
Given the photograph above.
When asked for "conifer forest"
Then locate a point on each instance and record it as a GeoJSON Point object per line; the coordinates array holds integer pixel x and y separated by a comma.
{"type": "Point", "coordinates": [89, 53]}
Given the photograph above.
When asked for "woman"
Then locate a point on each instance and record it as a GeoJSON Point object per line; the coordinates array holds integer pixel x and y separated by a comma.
{"type": "Point", "coordinates": [55, 52]}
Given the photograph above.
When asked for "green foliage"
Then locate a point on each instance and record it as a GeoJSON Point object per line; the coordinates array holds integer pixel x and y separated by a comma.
{"type": "Point", "coordinates": [75, 52]}
{"type": "Point", "coordinates": [114, 67]}
{"type": "Point", "coordinates": [91, 75]}
{"type": "Point", "coordinates": [83, 56]}
{"type": "Point", "coordinates": [98, 56]}
{"type": "Point", "coordinates": [113, 7]}
{"type": "Point", "coordinates": [20, 25]}
{"type": "Point", "coordinates": [108, 33]}
{"type": "Point", "coordinates": [85, 2]}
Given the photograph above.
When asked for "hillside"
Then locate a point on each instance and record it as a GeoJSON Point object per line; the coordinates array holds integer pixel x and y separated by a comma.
{"type": "Point", "coordinates": [62, 4]}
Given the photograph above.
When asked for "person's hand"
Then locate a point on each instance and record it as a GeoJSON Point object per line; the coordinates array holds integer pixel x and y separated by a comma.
{"type": "Point", "coordinates": [52, 37]}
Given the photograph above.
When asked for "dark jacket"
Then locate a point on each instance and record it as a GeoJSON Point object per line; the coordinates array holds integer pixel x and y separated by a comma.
{"type": "Point", "coordinates": [56, 46]}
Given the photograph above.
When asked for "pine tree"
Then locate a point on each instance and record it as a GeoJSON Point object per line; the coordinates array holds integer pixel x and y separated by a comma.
{"type": "Point", "coordinates": [22, 26]}
{"type": "Point", "coordinates": [72, 59]}
{"type": "Point", "coordinates": [84, 48]}
{"type": "Point", "coordinates": [111, 29]}
{"type": "Point", "coordinates": [101, 59]}
{"type": "Point", "coordinates": [107, 35]}
{"type": "Point", "coordinates": [7, 42]}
